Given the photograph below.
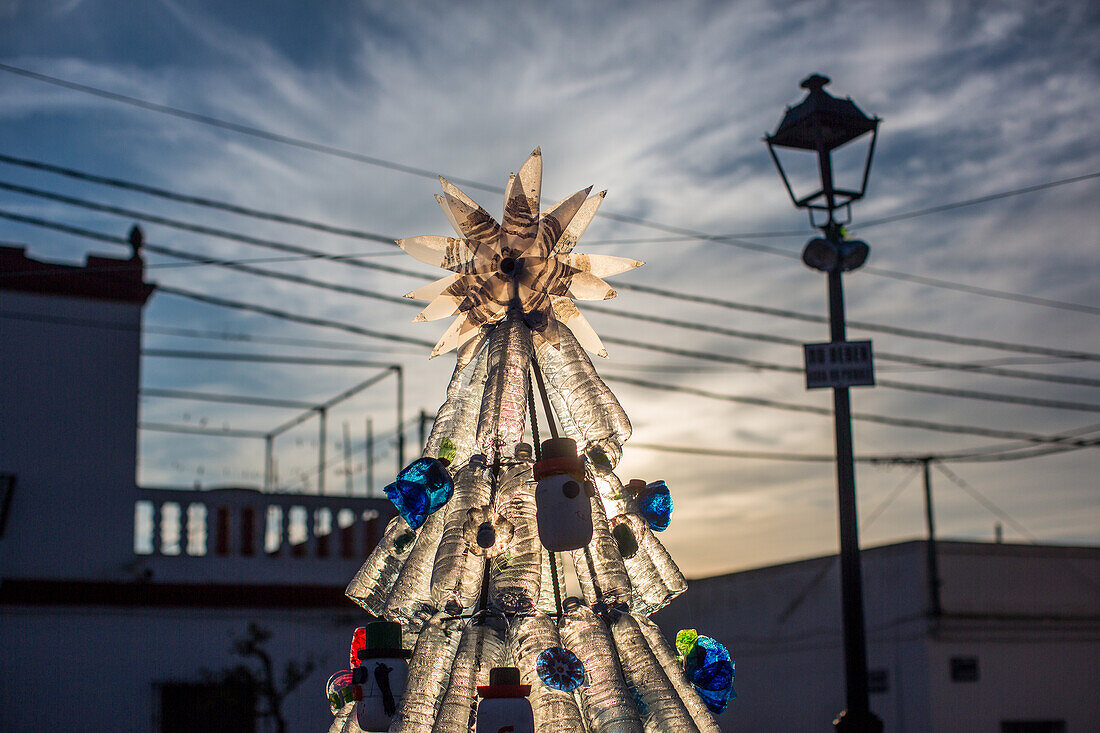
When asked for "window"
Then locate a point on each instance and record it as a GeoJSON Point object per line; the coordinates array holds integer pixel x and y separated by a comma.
{"type": "Point", "coordinates": [190, 707]}
{"type": "Point", "coordinates": [964, 669]}
{"type": "Point", "coordinates": [1033, 726]}
{"type": "Point", "coordinates": [878, 680]}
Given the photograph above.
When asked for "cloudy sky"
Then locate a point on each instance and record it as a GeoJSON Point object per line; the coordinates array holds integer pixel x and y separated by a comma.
{"type": "Point", "coordinates": [664, 105]}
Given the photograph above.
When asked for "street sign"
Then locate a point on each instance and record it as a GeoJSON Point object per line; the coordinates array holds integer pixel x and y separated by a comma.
{"type": "Point", "coordinates": [839, 364]}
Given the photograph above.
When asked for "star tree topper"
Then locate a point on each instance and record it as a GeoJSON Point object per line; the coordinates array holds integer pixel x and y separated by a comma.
{"type": "Point", "coordinates": [526, 262]}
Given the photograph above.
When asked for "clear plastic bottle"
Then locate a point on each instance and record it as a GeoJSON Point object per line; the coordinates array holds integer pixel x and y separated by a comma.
{"type": "Point", "coordinates": [675, 672]}
{"type": "Point", "coordinates": [457, 573]}
{"type": "Point", "coordinates": [464, 428]}
{"type": "Point", "coordinates": [372, 584]}
{"type": "Point", "coordinates": [554, 710]}
{"type": "Point", "coordinates": [608, 705]}
{"type": "Point", "coordinates": [481, 648]}
{"type": "Point", "coordinates": [593, 405]}
{"type": "Point", "coordinates": [664, 710]}
{"type": "Point", "coordinates": [504, 400]}
{"type": "Point", "coordinates": [567, 384]}
{"type": "Point", "coordinates": [516, 575]}
{"type": "Point", "coordinates": [410, 599]}
{"type": "Point", "coordinates": [548, 601]}
{"type": "Point", "coordinates": [444, 418]}
{"type": "Point", "coordinates": [600, 568]}
{"type": "Point", "coordinates": [429, 672]}
{"type": "Point", "coordinates": [654, 575]}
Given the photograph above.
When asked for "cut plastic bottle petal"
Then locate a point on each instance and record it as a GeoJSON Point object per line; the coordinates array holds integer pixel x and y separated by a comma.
{"type": "Point", "coordinates": [432, 290]}
{"type": "Point", "coordinates": [601, 265]}
{"type": "Point", "coordinates": [473, 221]}
{"type": "Point", "coordinates": [579, 224]}
{"type": "Point", "coordinates": [442, 307]}
{"type": "Point", "coordinates": [521, 205]}
{"type": "Point", "coordinates": [586, 286]}
{"type": "Point", "coordinates": [569, 315]}
{"type": "Point", "coordinates": [553, 222]}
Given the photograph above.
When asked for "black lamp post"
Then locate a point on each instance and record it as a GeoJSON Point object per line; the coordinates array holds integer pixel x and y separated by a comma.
{"type": "Point", "coordinates": [820, 124]}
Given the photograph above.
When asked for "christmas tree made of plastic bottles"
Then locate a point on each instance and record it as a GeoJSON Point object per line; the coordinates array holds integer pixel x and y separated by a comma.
{"type": "Point", "coordinates": [465, 568]}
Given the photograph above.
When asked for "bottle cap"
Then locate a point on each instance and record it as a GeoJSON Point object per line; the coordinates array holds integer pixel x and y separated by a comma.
{"type": "Point", "coordinates": [504, 682]}
{"type": "Point", "coordinates": [559, 448]}
{"type": "Point", "coordinates": [523, 452]}
{"type": "Point", "coordinates": [479, 459]}
{"type": "Point", "coordinates": [504, 676]}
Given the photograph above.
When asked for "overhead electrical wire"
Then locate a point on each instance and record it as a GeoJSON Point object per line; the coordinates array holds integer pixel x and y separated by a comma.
{"type": "Point", "coordinates": [866, 417]}
{"type": "Point", "coordinates": [706, 300]}
{"type": "Point", "coordinates": [985, 501]}
{"type": "Point", "coordinates": [233, 336]}
{"type": "Point", "coordinates": [194, 200]}
{"type": "Point", "coordinates": [750, 363]}
{"type": "Point", "coordinates": [413, 170]}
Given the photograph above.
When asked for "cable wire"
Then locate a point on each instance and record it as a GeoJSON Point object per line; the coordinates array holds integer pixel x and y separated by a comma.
{"type": "Point", "coordinates": [986, 502]}
{"type": "Point", "coordinates": [750, 363]}
{"type": "Point", "coordinates": [866, 417]}
{"type": "Point", "coordinates": [424, 173]}
{"type": "Point", "coordinates": [281, 246]}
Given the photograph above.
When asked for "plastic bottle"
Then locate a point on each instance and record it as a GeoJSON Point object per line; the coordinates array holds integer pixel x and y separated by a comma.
{"type": "Point", "coordinates": [504, 401]}
{"type": "Point", "coordinates": [675, 672]}
{"type": "Point", "coordinates": [548, 601]}
{"type": "Point", "coordinates": [372, 584]}
{"type": "Point", "coordinates": [554, 710]}
{"type": "Point", "coordinates": [663, 709]}
{"type": "Point", "coordinates": [410, 599]}
{"type": "Point", "coordinates": [594, 407]}
{"type": "Point", "coordinates": [564, 510]}
{"type": "Point", "coordinates": [457, 572]}
{"type": "Point", "coordinates": [429, 672]}
{"type": "Point", "coordinates": [607, 703]}
{"type": "Point", "coordinates": [515, 577]}
{"type": "Point", "coordinates": [463, 432]}
{"type": "Point", "coordinates": [480, 649]}
{"type": "Point", "coordinates": [444, 418]}
{"type": "Point", "coordinates": [600, 568]}
{"type": "Point", "coordinates": [654, 575]}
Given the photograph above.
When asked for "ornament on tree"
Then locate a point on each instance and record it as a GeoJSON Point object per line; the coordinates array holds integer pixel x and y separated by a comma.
{"type": "Point", "coordinates": [382, 675]}
{"type": "Point", "coordinates": [473, 567]}
{"type": "Point", "coordinates": [420, 489]}
{"type": "Point", "coordinates": [341, 690]}
{"type": "Point", "coordinates": [504, 706]}
{"type": "Point", "coordinates": [708, 666]}
{"type": "Point", "coordinates": [654, 502]}
{"type": "Point", "coordinates": [560, 668]}
{"type": "Point", "coordinates": [564, 506]}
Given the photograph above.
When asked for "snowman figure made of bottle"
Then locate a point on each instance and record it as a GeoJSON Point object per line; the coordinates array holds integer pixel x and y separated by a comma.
{"type": "Point", "coordinates": [505, 707]}
{"type": "Point", "coordinates": [563, 502]}
{"type": "Point", "coordinates": [382, 673]}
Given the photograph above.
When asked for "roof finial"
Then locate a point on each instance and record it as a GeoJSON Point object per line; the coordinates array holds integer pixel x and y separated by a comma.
{"type": "Point", "coordinates": [814, 82]}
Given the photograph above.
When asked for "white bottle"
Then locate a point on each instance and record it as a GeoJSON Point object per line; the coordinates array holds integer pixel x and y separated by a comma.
{"type": "Point", "coordinates": [505, 706]}
{"type": "Point", "coordinates": [383, 673]}
{"type": "Point", "coordinates": [564, 506]}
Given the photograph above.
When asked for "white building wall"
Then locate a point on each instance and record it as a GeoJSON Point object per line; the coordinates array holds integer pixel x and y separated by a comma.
{"type": "Point", "coordinates": [68, 421]}
{"type": "Point", "coordinates": [95, 669]}
{"type": "Point", "coordinates": [1030, 615]}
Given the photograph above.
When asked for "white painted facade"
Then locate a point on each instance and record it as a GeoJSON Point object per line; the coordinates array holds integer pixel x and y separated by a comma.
{"type": "Point", "coordinates": [1026, 617]}
{"type": "Point", "coordinates": [93, 620]}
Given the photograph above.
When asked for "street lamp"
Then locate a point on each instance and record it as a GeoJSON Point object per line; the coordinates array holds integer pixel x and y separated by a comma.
{"type": "Point", "coordinates": [819, 125]}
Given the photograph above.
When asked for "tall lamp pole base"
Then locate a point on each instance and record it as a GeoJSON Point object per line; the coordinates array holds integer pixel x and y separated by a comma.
{"type": "Point", "coordinates": [857, 722]}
